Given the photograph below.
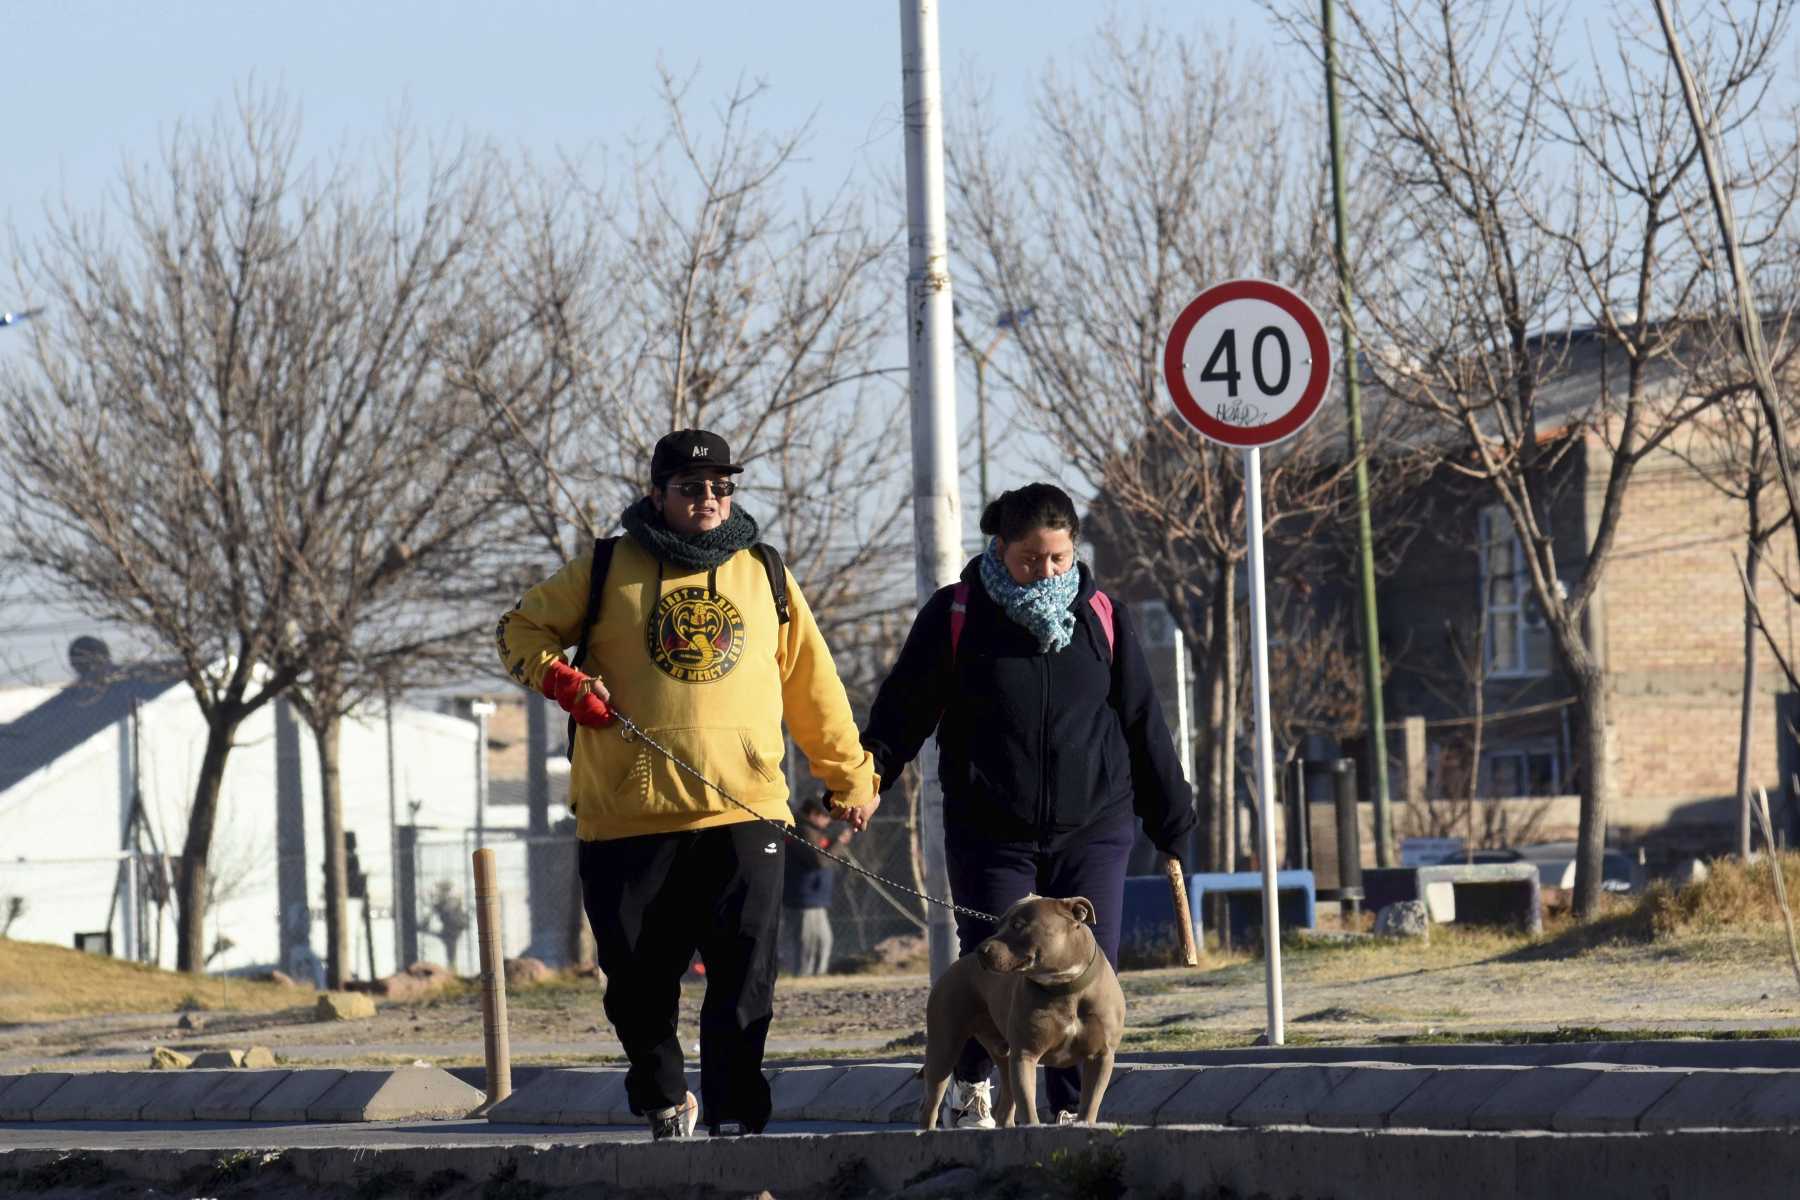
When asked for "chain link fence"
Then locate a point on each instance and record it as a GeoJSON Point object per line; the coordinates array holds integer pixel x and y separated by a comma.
{"type": "Point", "coordinates": [875, 927]}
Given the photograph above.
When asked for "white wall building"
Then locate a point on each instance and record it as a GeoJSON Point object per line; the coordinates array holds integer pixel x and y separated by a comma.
{"type": "Point", "coordinates": [72, 759]}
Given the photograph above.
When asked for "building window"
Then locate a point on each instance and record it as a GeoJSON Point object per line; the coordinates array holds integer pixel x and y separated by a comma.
{"type": "Point", "coordinates": [1525, 771]}
{"type": "Point", "coordinates": [1517, 641]}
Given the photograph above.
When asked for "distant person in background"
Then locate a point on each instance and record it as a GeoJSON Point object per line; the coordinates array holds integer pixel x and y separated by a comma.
{"type": "Point", "coordinates": [807, 892]}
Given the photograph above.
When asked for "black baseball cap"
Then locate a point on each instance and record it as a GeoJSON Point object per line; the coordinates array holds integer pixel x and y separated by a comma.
{"type": "Point", "coordinates": [690, 448]}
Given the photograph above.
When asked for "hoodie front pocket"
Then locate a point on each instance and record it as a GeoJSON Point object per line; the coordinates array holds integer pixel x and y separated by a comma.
{"type": "Point", "coordinates": [759, 762]}
{"type": "Point", "coordinates": [728, 760]}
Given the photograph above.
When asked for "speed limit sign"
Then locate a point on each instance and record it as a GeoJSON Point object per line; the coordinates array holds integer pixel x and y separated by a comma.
{"type": "Point", "coordinates": [1247, 362]}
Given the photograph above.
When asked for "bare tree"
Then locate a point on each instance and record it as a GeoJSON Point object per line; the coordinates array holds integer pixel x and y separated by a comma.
{"type": "Point", "coordinates": [705, 295]}
{"type": "Point", "coordinates": [146, 429]}
{"type": "Point", "coordinates": [1159, 170]}
{"type": "Point", "coordinates": [1462, 107]}
{"type": "Point", "coordinates": [395, 575]}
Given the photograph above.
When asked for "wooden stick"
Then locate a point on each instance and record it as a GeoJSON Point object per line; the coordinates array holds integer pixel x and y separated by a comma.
{"type": "Point", "coordinates": [493, 980]}
{"type": "Point", "coordinates": [1762, 818]}
{"type": "Point", "coordinates": [1184, 916]}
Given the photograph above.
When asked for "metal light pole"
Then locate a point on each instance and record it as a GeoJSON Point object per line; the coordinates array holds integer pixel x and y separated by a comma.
{"type": "Point", "coordinates": [937, 503]}
{"type": "Point", "coordinates": [1006, 322]}
{"type": "Point", "coordinates": [14, 318]}
{"type": "Point", "coordinates": [481, 710]}
{"type": "Point", "coordinates": [1365, 547]}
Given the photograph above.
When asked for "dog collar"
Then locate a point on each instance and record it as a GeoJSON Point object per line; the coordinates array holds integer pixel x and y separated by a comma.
{"type": "Point", "coordinates": [1063, 988]}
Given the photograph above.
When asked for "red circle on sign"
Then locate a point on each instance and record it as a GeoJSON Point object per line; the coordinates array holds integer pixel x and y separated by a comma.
{"type": "Point", "coordinates": [1310, 325]}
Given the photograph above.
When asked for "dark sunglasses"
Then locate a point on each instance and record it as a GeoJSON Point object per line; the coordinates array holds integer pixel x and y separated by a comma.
{"type": "Point", "coordinates": [697, 489]}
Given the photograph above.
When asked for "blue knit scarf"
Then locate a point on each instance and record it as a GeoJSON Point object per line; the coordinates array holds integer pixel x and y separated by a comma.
{"type": "Point", "coordinates": [1041, 607]}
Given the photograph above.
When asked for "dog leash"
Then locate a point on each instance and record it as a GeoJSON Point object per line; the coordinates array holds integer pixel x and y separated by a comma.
{"type": "Point", "coordinates": [630, 731]}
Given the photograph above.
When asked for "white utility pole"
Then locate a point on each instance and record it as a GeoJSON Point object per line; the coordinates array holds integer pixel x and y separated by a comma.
{"type": "Point", "coordinates": [937, 503]}
{"type": "Point", "coordinates": [481, 710]}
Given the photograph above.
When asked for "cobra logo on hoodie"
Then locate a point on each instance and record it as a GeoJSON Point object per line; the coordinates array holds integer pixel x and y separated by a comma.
{"type": "Point", "coordinates": [695, 636]}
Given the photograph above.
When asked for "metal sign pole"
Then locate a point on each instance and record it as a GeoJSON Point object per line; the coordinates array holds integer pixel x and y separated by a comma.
{"type": "Point", "coordinates": [1265, 766]}
{"type": "Point", "coordinates": [937, 496]}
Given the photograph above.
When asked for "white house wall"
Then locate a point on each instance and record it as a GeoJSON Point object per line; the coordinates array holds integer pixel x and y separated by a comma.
{"type": "Point", "coordinates": [62, 827]}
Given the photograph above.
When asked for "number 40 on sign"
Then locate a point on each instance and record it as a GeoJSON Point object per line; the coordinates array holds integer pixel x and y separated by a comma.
{"type": "Point", "coordinates": [1247, 363]}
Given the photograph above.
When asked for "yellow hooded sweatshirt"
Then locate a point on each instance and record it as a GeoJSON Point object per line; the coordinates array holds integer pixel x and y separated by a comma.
{"type": "Point", "coordinates": [709, 674]}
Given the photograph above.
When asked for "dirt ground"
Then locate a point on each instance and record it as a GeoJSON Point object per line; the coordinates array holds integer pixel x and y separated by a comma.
{"type": "Point", "coordinates": [1463, 984]}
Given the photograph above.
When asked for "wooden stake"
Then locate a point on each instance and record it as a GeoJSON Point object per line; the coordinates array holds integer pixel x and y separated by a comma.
{"type": "Point", "coordinates": [493, 980]}
{"type": "Point", "coordinates": [1184, 916]}
{"type": "Point", "coordinates": [1787, 914]}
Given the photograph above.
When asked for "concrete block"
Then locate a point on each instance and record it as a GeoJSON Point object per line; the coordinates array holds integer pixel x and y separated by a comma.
{"type": "Point", "coordinates": [1615, 1100]}
{"type": "Point", "coordinates": [1531, 1100]}
{"type": "Point", "coordinates": [398, 1094]}
{"type": "Point", "coordinates": [1491, 893]}
{"type": "Point", "coordinates": [1210, 1095]}
{"type": "Point", "coordinates": [596, 1096]}
{"type": "Point", "coordinates": [1288, 1095]}
{"type": "Point", "coordinates": [26, 1092]}
{"type": "Point", "coordinates": [1136, 1093]}
{"type": "Point", "coordinates": [863, 1093]}
{"type": "Point", "coordinates": [1440, 901]}
{"type": "Point", "coordinates": [1450, 1097]}
{"type": "Point", "coordinates": [903, 1105]}
{"type": "Point", "coordinates": [102, 1096]}
{"type": "Point", "coordinates": [537, 1102]}
{"type": "Point", "coordinates": [7, 1081]}
{"type": "Point", "coordinates": [568, 1096]}
{"type": "Point", "coordinates": [1366, 1097]}
{"type": "Point", "coordinates": [289, 1099]}
{"type": "Point", "coordinates": [175, 1098]}
{"type": "Point", "coordinates": [1774, 1107]}
{"type": "Point", "coordinates": [235, 1094]}
{"type": "Point", "coordinates": [791, 1089]}
{"type": "Point", "coordinates": [1707, 1100]}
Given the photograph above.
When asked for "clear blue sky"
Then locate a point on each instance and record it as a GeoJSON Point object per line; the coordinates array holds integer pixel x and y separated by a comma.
{"type": "Point", "coordinates": [88, 82]}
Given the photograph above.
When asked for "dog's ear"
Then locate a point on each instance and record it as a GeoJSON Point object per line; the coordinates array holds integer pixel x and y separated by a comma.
{"type": "Point", "coordinates": [1080, 908]}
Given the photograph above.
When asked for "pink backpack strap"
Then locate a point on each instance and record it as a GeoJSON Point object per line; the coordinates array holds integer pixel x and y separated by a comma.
{"type": "Point", "coordinates": [959, 614]}
{"type": "Point", "coordinates": [1102, 605]}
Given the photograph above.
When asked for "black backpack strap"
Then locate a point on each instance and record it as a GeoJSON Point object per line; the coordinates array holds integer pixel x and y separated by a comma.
{"type": "Point", "coordinates": [603, 552]}
{"type": "Point", "coordinates": [771, 561]}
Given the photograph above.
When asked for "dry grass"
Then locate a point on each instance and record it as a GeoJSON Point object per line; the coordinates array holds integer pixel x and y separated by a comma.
{"type": "Point", "coordinates": [40, 982]}
{"type": "Point", "coordinates": [1734, 895]}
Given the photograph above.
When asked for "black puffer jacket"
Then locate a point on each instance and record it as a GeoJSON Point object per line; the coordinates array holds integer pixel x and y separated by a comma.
{"type": "Point", "coordinates": [1033, 747]}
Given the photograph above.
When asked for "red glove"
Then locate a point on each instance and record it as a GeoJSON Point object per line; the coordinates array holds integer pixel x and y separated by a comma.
{"type": "Point", "coordinates": [581, 696]}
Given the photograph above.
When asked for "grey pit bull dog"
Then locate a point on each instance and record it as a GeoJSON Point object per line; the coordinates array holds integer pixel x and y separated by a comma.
{"type": "Point", "coordinates": [1039, 990]}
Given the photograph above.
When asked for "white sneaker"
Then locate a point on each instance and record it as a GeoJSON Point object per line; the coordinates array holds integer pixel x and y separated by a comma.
{"type": "Point", "coordinates": [676, 1122]}
{"type": "Point", "coordinates": [1065, 1117]}
{"type": "Point", "coordinates": [974, 1106]}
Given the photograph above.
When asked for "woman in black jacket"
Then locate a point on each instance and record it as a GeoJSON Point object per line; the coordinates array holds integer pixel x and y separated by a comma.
{"type": "Point", "coordinates": [1052, 744]}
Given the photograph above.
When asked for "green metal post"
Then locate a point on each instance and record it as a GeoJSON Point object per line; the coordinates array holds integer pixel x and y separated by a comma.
{"type": "Point", "coordinates": [1365, 549]}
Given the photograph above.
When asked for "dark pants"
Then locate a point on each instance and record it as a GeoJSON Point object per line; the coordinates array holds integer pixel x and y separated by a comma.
{"type": "Point", "coordinates": [652, 901]}
{"type": "Point", "coordinates": [991, 876]}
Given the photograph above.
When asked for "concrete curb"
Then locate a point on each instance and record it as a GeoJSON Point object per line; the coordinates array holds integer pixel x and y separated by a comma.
{"type": "Point", "coordinates": [1588, 1098]}
{"type": "Point", "coordinates": [236, 1095]}
{"type": "Point", "coordinates": [1280, 1161]}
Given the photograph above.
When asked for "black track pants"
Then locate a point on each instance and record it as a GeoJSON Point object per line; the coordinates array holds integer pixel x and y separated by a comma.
{"type": "Point", "coordinates": [652, 901]}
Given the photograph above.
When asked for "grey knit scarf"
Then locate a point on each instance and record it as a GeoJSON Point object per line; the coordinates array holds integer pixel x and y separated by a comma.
{"type": "Point", "coordinates": [696, 552]}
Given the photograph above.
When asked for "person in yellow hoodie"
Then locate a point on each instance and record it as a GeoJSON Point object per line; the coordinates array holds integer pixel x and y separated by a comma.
{"type": "Point", "coordinates": [707, 650]}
